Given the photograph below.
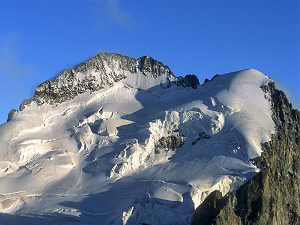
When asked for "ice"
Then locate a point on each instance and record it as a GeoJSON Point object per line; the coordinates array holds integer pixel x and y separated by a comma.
{"type": "Point", "coordinates": [94, 158]}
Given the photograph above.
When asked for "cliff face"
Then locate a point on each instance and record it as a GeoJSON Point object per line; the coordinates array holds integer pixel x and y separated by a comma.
{"type": "Point", "coordinates": [273, 195]}
{"type": "Point", "coordinates": [100, 71]}
{"type": "Point", "coordinates": [103, 71]}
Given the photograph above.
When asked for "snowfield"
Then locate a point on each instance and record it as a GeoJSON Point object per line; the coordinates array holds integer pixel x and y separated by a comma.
{"type": "Point", "coordinates": [141, 151]}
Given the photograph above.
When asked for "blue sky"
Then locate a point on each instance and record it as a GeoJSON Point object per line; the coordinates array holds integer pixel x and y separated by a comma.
{"type": "Point", "coordinates": [39, 39]}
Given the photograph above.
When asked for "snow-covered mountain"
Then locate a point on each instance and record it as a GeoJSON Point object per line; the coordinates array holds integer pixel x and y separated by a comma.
{"type": "Point", "coordinates": [118, 140]}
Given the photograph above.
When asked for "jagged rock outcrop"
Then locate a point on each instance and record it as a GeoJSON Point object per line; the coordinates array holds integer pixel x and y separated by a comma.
{"type": "Point", "coordinates": [202, 135]}
{"type": "Point", "coordinates": [11, 113]}
{"type": "Point", "coordinates": [273, 195]}
{"type": "Point", "coordinates": [169, 143]}
{"type": "Point", "coordinates": [210, 208]}
{"type": "Point", "coordinates": [190, 80]}
{"type": "Point", "coordinates": [100, 71]}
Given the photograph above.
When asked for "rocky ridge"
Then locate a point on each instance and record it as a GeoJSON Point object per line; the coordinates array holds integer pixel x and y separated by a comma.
{"type": "Point", "coordinates": [100, 72]}
{"type": "Point", "coordinates": [273, 195]}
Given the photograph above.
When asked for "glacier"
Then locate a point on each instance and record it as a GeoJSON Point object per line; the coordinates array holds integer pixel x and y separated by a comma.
{"type": "Point", "coordinates": [118, 140]}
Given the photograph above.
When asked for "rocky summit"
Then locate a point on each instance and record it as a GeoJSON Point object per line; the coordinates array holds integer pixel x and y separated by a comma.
{"type": "Point", "coordinates": [118, 140]}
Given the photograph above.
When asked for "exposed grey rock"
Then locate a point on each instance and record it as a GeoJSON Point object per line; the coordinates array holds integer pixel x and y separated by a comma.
{"type": "Point", "coordinates": [202, 135]}
{"type": "Point", "coordinates": [169, 143]}
{"type": "Point", "coordinates": [206, 80]}
{"type": "Point", "coordinates": [11, 114]}
{"type": "Point", "coordinates": [100, 71]}
{"type": "Point", "coordinates": [273, 195]}
{"type": "Point", "coordinates": [189, 80]}
{"type": "Point", "coordinates": [206, 213]}
{"type": "Point", "coordinates": [150, 65]}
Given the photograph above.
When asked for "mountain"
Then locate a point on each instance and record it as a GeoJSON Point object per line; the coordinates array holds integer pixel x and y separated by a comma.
{"type": "Point", "coordinates": [118, 140]}
{"type": "Point", "coordinates": [273, 195]}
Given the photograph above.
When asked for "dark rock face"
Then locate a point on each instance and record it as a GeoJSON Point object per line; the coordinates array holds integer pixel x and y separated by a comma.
{"type": "Point", "coordinates": [169, 143]}
{"type": "Point", "coordinates": [11, 114]}
{"type": "Point", "coordinates": [189, 80]}
{"type": "Point", "coordinates": [273, 195]}
{"type": "Point", "coordinates": [100, 71]}
{"type": "Point", "coordinates": [150, 65]}
{"type": "Point", "coordinates": [202, 135]}
{"type": "Point", "coordinates": [206, 80]}
{"type": "Point", "coordinates": [209, 209]}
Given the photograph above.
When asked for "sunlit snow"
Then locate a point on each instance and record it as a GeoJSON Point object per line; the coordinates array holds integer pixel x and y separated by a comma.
{"type": "Point", "coordinates": [97, 159]}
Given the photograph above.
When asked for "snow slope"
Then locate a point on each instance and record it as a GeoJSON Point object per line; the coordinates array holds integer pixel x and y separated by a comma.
{"type": "Point", "coordinates": [142, 150]}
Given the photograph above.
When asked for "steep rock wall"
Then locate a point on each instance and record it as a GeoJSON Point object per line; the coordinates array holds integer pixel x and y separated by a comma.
{"type": "Point", "coordinates": [273, 195]}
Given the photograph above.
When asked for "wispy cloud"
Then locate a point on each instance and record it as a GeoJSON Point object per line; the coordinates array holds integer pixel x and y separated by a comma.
{"type": "Point", "coordinates": [113, 11]}
{"type": "Point", "coordinates": [117, 12]}
{"type": "Point", "coordinates": [10, 62]}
